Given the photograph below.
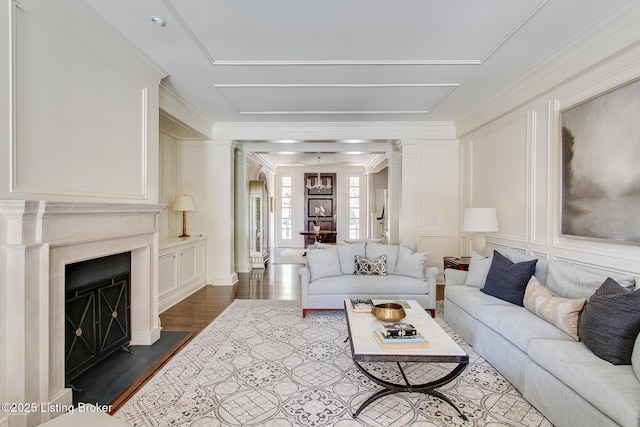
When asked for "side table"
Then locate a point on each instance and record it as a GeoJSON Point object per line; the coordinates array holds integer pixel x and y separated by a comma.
{"type": "Point", "coordinates": [457, 263]}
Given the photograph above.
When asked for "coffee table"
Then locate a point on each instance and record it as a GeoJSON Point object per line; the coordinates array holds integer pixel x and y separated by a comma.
{"type": "Point", "coordinates": [441, 349]}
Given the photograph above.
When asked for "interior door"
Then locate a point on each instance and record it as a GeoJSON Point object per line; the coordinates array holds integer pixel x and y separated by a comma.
{"type": "Point", "coordinates": [324, 200]}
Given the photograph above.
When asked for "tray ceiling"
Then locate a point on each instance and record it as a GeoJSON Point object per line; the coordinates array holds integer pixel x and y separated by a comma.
{"type": "Point", "coordinates": [347, 60]}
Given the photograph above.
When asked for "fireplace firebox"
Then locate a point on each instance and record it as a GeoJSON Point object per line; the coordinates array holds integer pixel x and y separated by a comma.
{"type": "Point", "coordinates": [97, 311]}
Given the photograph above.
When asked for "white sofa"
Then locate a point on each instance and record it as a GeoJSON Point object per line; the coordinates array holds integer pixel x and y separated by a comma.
{"type": "Point", "coordinates": [329, 276]}
{"type": "Point", "coordinates": [560, 376]}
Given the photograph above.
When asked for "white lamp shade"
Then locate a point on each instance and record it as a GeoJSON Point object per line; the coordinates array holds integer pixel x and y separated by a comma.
{"type": "Point", "coordinates": [480, 220]}
{"type": "Point", "coordinates": [183, 203]}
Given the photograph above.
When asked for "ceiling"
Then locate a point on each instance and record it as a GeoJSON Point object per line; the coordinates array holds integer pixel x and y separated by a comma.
{"type": "Point", "coordinates": [347, 60]}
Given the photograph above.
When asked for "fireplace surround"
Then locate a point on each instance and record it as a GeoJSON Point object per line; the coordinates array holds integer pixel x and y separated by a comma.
{"type": "Point", "coordinates": [38, 239]}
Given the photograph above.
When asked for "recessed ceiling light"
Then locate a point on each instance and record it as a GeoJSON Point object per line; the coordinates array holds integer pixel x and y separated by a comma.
{"type": "Point", "coordinates": [158, 20]}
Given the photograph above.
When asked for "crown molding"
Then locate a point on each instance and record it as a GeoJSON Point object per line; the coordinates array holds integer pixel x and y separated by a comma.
{"type": "Point", "coordinates": [182, 112]}
{"type": "Point", "coordinates": [322, 131]}
{"type": "Point", "coordinates": [612, 36]}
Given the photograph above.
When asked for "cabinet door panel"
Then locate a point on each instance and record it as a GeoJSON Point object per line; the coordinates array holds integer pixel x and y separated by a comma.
{"type": "Point", "coordinates": [167, 278]}
{"type": "Point", "coordinates": [187, 261]}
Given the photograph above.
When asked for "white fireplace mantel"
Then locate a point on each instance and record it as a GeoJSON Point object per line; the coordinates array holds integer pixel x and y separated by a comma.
{"type": "Point", "coordinates": [37, 240]}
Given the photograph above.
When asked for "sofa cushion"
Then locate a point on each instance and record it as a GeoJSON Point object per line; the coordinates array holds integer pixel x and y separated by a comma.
{"type": "Point", "coordinates": [478, 269]}
{"type": "Point", "coordinates": [353, 285]}
{"type": "Point", "coordinates": [376, 267]}
{"type": "Point", "coordinates": [376, 250]}
{"type": "Point", "coordinates": [569, 281]}
{"type": "Point", "coordinates": [410, 263]}
{"type": "Point", "coordinates": [507, 280]}
{"type": "Point", "coordinates": [347, 254]}
{"type": "Point", "coordinates": [518, 325]}
{"type": "Point", "coordinates": [323, 262]}
{"type": "Point", "coordinates": [542, 266]}
{"type": "Point", "coordinates": [610, 322]}
{"type": "Point", "coordinates": [470, 299]}
{"type": "Point", "coordinates": [563, 313]}
{"type": "Point", "coordinates": [612, 389]}
{"type": "Point", "coordinates": [635, 358]}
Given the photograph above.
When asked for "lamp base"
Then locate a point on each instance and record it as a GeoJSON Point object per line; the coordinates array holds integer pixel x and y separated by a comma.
{"type": "Point", "coordinates": [479, 243]}
{"type": "Point", "coordinates": [184, 225]}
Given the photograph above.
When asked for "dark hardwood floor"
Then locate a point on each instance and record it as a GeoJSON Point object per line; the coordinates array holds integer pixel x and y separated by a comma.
{"type": "Point", "coordinates": [194, 313]}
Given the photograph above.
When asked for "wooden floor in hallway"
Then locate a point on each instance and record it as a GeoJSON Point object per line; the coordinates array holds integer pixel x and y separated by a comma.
{"type": "Point", "coordinates": [194, 313]}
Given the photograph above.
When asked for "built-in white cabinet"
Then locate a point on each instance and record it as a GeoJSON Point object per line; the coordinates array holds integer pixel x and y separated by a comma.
{"type": "Point", "coordinates": [181, 269]}
{"type": "Point", "coordinates": [258, 227]}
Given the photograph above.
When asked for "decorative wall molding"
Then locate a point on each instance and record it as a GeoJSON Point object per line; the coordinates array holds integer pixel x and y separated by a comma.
{"type": "Point", "coordinates": [44, 141]}
{"type": "Point", "coordinates": [333, 130]}
{"type": "Point", "coordinates": [539, 120]}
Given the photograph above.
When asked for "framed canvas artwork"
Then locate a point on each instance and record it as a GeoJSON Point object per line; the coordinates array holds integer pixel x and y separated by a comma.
{"type": "Point", "coordinates": [600, 166]}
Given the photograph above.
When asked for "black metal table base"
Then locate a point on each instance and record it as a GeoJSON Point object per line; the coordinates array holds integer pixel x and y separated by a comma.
{"type": "Point", "coordinates": [427, 388]}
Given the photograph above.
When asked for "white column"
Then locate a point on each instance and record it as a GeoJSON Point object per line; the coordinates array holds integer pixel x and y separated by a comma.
{"type": "Point", "coordinates": [221, 258]}
{"type": "Point", "coordinates": [242, 264]}
{"type": "Point", "coordinates": [395, 196]}
{"type": "Point", "coordinates": [410, 207]}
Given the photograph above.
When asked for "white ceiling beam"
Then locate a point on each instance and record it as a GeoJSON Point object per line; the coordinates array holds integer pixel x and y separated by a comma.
{"type": "Point", "coordinates": [315, 147]}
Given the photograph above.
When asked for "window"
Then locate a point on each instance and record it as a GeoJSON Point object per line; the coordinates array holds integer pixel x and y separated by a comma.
{"type": "Point", "coordinates": [354, 207]}
{"type": "Point", "coordinates": [286, 213]}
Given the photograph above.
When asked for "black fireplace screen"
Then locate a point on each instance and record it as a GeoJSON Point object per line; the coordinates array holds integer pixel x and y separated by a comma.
{"type": "Point", "coordinates": [98, 311]}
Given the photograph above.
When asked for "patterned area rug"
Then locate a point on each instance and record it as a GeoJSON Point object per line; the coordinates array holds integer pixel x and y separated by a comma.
{"type": "Point", "coordinates": [261, 364]}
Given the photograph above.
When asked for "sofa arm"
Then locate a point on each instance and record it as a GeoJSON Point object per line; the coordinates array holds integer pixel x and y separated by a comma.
{"type": "Point", "coordinates": [305, 275]}
{"type": "Point", "coordinates": [454, 277]}
{"type": "Point", "coordinates": [305, 279]}
{"type": "Point", "coordinates": [430, 276]}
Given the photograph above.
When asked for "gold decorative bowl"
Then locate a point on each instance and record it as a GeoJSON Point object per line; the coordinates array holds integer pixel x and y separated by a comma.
{"type": "Point", "coordinates": [388, 312]}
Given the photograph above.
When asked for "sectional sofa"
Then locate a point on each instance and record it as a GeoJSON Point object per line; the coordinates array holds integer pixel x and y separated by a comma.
{"type": "Point", "coordinates": [365, 270]}
{"type": "Point", "coordinates": [533, 344]}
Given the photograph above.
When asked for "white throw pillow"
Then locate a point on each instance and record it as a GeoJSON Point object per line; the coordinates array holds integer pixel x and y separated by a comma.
{"type": "Point", "coordinates": [376, 250]}
{"type": "Point", "coordinates": [542, 266]}
{"type": "Point", "coordinates": [410, 264]}
{"type": "Point", "coordinates": [323, 262]}
{"type": "Point", "coordinates": [569, 281]}
{"type": "Point", "coordinates": [347, 255]}
{"type": "Point", "coordinates": [478, 269]}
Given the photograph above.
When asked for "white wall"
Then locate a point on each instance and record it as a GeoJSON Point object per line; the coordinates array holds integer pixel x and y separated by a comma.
{"type": "Point", "coordinates": [430, 197]}
{"type": "Point", "coordinates": [167, 189]}
{"type": "Point", "coordinates": [83, 120]}
{"type": "Point", "coordinates": [78, 122]}
{"type": "Point", "coordinates": [513, 163]}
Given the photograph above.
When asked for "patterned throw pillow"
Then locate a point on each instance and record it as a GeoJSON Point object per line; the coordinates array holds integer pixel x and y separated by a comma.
{"type": "Point", "coordinates": [376, 266]}
{"type": "Point", "coordinates": [563, 313]}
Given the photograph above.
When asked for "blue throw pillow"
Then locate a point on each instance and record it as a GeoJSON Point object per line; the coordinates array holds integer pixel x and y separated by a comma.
{"type": "Point", "coordinates": [610, 322]}
{"type": "Point", "coordinates": [508, 280]}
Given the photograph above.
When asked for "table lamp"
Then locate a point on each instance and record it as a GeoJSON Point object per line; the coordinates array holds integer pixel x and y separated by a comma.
{"type": "Point", "coordinates": [185, 204]}
{"type": "Point", "coordinates": [480, 220]}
